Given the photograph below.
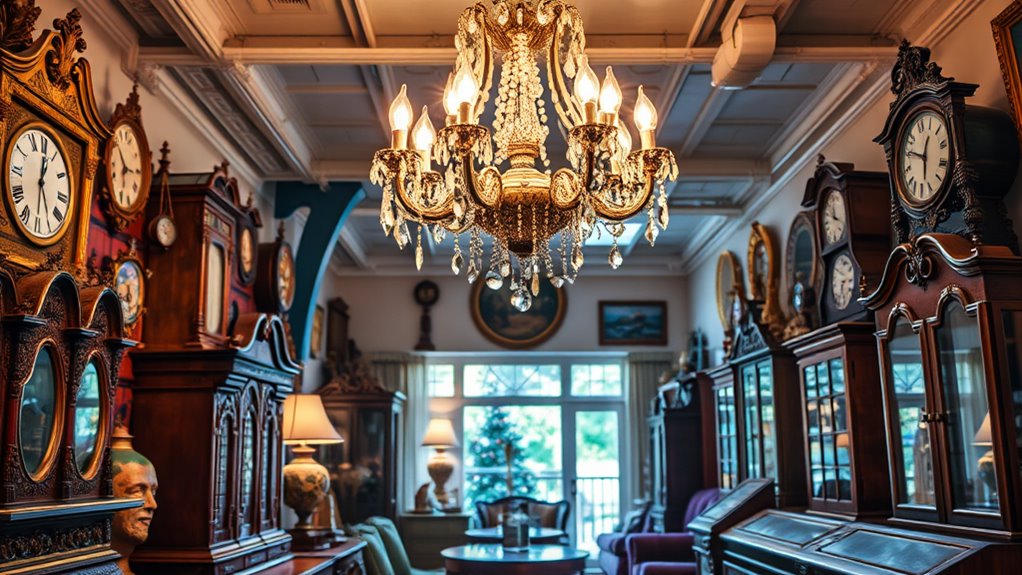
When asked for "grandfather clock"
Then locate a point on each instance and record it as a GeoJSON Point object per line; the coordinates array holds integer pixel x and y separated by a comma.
{"type": "Point", "coordinates": [209, 390]}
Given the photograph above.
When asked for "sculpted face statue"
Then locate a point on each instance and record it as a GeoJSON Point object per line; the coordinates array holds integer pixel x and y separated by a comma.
{"type": "Point", "coordinates": [134, 476]}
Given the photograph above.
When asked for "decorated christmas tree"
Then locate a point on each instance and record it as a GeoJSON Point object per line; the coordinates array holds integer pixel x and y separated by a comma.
{"type": "Point", "coordinates": [498, 438]}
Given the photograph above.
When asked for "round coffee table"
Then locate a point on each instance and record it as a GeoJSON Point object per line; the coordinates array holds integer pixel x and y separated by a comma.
{"type": "Point", "coordinates": [537, 535]}
{"type": "Point", "coordinates": [491, 559]}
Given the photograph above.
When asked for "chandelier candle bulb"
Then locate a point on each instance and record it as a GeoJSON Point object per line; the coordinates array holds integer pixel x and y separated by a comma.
{"type": "Point", "coordinates": [423, 136]}
{"type": "Point", "coordinates": [587, 89]}
{"type": "Point", "coordinates": [400, 119]}
{"type": "Point", "coordinates": [645, 120]}
{"type": "Point", "coordinates": [466, 91]}
{"type": "Point", "coordinates": [610, 98]}
{"type": "Point", "coordinates": [450, 101]}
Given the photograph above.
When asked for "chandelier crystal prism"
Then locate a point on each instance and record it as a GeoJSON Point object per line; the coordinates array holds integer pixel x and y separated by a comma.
{"type": "Point", "coordinates": [523, 207]}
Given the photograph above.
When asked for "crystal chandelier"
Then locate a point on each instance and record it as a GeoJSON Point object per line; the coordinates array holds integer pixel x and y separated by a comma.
{"type": "Point", "coordinates": [524, 207]}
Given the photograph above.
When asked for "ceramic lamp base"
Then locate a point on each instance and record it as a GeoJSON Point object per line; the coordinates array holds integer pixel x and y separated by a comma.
{"type": "Point", "coordinates": [440, 468]}
{"type": "Point", "coordinates": [305, 485]}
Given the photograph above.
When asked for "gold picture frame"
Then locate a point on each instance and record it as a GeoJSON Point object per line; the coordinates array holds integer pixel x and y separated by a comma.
{"type": "Point", "coordinates": [729, 279]}
{"type": "Point", "coordinates": [505, 326]}
{"type": "Point", "coordinates": [316, 339]}
{"type": "Point", "coordinates": [1007, 29]}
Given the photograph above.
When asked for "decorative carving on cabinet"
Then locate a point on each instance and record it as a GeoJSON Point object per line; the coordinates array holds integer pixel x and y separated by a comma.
{"type": "Point", "coordinates": [17, 23]}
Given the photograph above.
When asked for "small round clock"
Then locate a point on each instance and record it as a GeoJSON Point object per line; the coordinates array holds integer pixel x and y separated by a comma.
{"type": "Point", "coordinates": [842, 281]}
{"type": "Point", "coordinates": [163, 230]}
{"type": "Point", "coordinates": [275, 279]}
{"type": "Point", "coordinates": [285, 280]}
{"type": "Point", "coordinates": [834, 220]}
{"type": "Point", "coordinates": [130, 287]}
{"type": "Point", "coordinates": [426, 293]}
{"type": "Point", "coordinates": [39, 187]}
{"type": "Point", "coordinates": [247, 253]}
{"type": "Point", "coordinates": [923, 152]}
{"type": "Point", "coordinates": [127, 162]}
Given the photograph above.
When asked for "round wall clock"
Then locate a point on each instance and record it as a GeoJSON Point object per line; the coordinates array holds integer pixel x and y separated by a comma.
{"type": "Point", "coordinates": [729, 278]}
{"type": "Point", "coordinates": [163, 230]}
{"type": "Point", "coordinates": [129, 283]}
{"type": "Point", "coordinates": [128, 164]}
{"type": "Point", "coordinates": [834, 218]}
{"type": "Point", "coordinates": [922, 155]}
{"type": "Point", "coordinates": [247, 252]}
{"type": "Point", "coordinates": [801, 253]}
{"type": "Point", "coordinates": [275, 280]}
{"type": "Point", "coordinates": [39, 189]}
{"type": "Point", "coordinates": [842, 281]}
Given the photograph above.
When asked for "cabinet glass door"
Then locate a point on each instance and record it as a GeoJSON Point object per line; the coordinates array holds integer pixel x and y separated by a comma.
{"type": "Point", "coordinates": [727, 436]}
{"type": "Point", "coordinates": [913, 462]}
{"type": "Point", "coordinates": [826, 424]}
{"type": "Point", "coordinates": [766, 414]}
{"type": "Point", "coordinates": [751, 420]}
{"type": "Point", "coordinates": [970, 445]}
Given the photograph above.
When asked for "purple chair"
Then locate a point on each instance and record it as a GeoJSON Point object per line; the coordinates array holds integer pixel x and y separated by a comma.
{"type": "Point", "coordinates": [613, 555]}
{"type": "Point", "coordinates": [668, 553]}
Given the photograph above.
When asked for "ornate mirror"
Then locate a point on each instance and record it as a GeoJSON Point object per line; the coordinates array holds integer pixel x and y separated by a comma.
{"type": "Point", "coordinates": [88, 415]}
{"type": "Point", "coordinates": [729, 278]}
{"type": "Point", "coordinates": [38, 421]}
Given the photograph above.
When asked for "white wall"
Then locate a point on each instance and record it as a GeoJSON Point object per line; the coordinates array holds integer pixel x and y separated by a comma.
{"type": "Point", "coordinates": [967, 54]}
{"type": "Point", "coordinates": [385, 317]}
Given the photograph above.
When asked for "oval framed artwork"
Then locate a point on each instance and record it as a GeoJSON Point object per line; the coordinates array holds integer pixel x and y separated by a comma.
{"type": "Point", "coordinates": [505, 326]}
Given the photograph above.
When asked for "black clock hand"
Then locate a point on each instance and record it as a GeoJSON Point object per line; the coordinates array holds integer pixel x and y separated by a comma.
{"type": "Point", "coordinates": [926, 150]}
{"type": "Point", "coordinates": [124, 164]}
{"type": "Point", "coordinates": [42, 183]}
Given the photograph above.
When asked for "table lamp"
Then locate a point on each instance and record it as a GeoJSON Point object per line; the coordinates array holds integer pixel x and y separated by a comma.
{"type": "Point", "coordinates": [305, 481]}
{"type": "Point", "coordinates": [440, 435]}
{"type": "Point", "coordinates": [985, 465]}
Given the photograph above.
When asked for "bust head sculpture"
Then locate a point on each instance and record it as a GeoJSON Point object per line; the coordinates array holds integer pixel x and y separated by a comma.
{"type": "Point", "coordinates": [134, 476]}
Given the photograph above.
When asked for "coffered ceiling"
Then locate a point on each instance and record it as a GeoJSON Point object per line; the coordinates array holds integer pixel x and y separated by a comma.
{"type": "Point", "coordinates": [299, 89]}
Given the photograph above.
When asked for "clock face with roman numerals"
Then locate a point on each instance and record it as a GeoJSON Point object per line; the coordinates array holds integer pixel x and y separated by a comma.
{"type": "Point", "coordinates": [923, 158]}
{"type": "Point", "coordinates": [39, 185]}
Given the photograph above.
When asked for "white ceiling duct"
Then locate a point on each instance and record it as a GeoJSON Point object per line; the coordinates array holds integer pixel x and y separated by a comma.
{"type": "Point", "coordinates": [747, 48]}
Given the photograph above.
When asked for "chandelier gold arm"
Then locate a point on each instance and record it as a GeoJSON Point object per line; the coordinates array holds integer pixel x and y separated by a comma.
{"type": "Point", "coordinates": [569, 23]}
{"type": "Point", "coordinates": [485, 186]}
{"type": "Point", "coordinates": [444, 210]}
{"type": "Point", "coordinates": [644, 170]}
{"type": "Point", "coordinates": [565, 189]}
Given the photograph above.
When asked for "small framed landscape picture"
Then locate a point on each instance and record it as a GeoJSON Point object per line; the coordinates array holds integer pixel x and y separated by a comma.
{"type": "Point", "coordinates": [633, 323]}
{"type": "Point", "coordinates": [316, 341]}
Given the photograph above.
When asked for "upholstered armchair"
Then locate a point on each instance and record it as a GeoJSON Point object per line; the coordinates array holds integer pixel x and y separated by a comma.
{"type": "Point", "coordinates": [668, 553]}
{"type": "Point", "coordinates": [613, 555]}
{"type": "Point", "coordinates": [547, 514]}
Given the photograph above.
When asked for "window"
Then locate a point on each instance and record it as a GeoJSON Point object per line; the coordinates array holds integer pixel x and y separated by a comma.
{"type": "Point", "coordinates": [560, 419]}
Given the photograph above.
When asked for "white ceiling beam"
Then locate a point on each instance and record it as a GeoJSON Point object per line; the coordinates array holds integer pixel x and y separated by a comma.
{"type": "Point", "coordinates": [706, 22]}
{"type": "Point", "coordinates": [265, 50]}
{"type": "Point", "coordinates": [352, 244]}
{"type": "Point", "coordinates": [691, 170]}
{"type": "Point", "coordinates": [711, 108]}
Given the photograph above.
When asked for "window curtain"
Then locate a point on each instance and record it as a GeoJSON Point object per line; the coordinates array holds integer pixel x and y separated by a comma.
{"type": "Point", "coordinates": [645, 370]}
{"type": "Point", "coordinates": [406, 372]}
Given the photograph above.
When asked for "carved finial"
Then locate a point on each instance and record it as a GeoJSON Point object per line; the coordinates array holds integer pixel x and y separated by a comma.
{"type": "Point", "coordinates": [863, 286]}
{"type": "Point", "coordinates": [913, 69]}
{"type": "Point", "coordinates": [280, 230]}
{"type": "Point", "coordinates": [820, 160]}
{"type": "Point", "coordinates": [248, 204]}
{"type": "Point", "coordinates": [224, 165]}
{"type": "Point", "coordinates": [164, 158]}
{"type": "Point", "coordinates": [130, 108]}
{"type": "Point", "coordinates": [17, 22]}
{"type": "Point", "coordinates": [62, 58]}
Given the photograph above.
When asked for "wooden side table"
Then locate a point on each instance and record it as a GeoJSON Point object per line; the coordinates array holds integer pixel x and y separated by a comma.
{"type": "Point", "coordinates": [425, 536]}
{"type": "Point", "coordinates": [492, 559]}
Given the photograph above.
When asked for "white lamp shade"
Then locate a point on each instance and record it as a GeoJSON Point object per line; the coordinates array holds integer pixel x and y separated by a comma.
{"type": "Point", "coordinates": [305, 421]}
{"type": "Point", "coordinates": [983, 437]}
{"type": "Point", "coordinates": [440, 433]}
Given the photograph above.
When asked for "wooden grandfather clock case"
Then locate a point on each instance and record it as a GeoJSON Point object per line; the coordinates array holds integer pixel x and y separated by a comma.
{"type": "Point", "coordinates": [62, 334]}
{"type": "Point", "coordinates": [208, 395]}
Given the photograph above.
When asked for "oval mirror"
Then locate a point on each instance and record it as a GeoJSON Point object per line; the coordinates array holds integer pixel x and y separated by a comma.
{"type": "Point", "coordinates": [87, 418]}
{"type": "Point", "coordinates": [38, 413]}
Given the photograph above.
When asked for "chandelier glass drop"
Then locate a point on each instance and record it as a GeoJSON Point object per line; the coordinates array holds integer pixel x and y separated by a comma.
{"type": "Point", "coordinates": [523, 207]}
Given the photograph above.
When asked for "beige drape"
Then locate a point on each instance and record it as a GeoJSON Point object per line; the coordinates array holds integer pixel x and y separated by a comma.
{"type": "Point", "coordinates": [406, 372]}
{"type": "Point", "coordinates": [644, 372]}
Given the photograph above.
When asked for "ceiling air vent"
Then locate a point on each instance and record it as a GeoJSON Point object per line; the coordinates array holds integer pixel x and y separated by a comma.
{"type": "Point", "coordinates": [291, 4]}
{"type": "Point", "coordinates": [271, 6]}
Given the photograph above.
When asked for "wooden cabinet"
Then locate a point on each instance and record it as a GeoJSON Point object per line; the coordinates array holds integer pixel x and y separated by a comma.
{"type": "Point", "coordinates": [363, 469]}
{"type": "Point", "coordinates": [844, 422]}
{"type": "Point", "coordinates": [948, 315]}
{"type": "Point", "coordinates": [344, 559]}
{"type": "Point", "coordinates": [209, 420]}
{"type": "Point", "coordinates": [726, 425]}
{"type": "Point", "coordinates": [763, 378]}
{"type": "Point", "coordinates": [675, 444]}
{"type": "Point", "coordinates": [745, 500]}
{"type": "Point", "coordinates": [426, 535]}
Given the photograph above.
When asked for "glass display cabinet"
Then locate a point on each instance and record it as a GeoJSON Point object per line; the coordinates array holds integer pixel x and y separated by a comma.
{"type": "Point", "coordinates": [767, 426]}
{"type": "Point", "coordinates": [844, 421]}
{"type": "Point", "coordinates": [947, 315]}
{"type": "Point", "coordinates": [744, 501]}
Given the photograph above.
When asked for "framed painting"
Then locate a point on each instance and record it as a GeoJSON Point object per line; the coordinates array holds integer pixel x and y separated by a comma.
{"type": "Point", "coordinates": [1007, 27]}
{"type": "Point", "coordinates": [316, 340]}
{"type": "Point", "coordinates": [633, 323]}
{"type": "Point", "coordinates": [505, 326]}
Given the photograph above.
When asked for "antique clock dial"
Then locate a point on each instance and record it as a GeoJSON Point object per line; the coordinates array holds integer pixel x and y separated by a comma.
{"type": "Point", "coordinates": [842, 280]}
{"type": "Point", "coordinates": [285, 278]}
{"type": "Point", "coordinates": [247, 251]}
{"type": "Point", "coordinates": [835, 217]}
{"type": "Point", "coordinates": [923, 155]}
{"type": "Point", "coordinates": [163, 230]}
{"type": "Point", "coordinates": [39, 185]}
{"type": "Point", "coordinates": [130, 289]}
{"type": "Point", "coordinates": [125, 169]}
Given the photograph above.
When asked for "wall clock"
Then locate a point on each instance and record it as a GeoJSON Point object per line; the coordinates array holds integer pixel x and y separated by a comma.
{"type": "Point", "coordinates": [247, 253]}
{"type": "Point", "coordinates": [162, 228]}
{"type": "Point", "coordinates": [129, 279]}
{"type": "Point", "coordinates": [127, 164]}
{"type": "Point", "coordinates": [40, 187]}
{"type": "Point", "coordinates": [763, 281]}
{"type": "Point", "coordinates": [729, 278]}
{"type": "Point", "coordinates": [801, 272]}
{"type": "Point", "coordinates": [854, 237]}
{"type": "Point", "coordinates": [275, 282]}
{"type": "Point", "coordinates": [944, 181]}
